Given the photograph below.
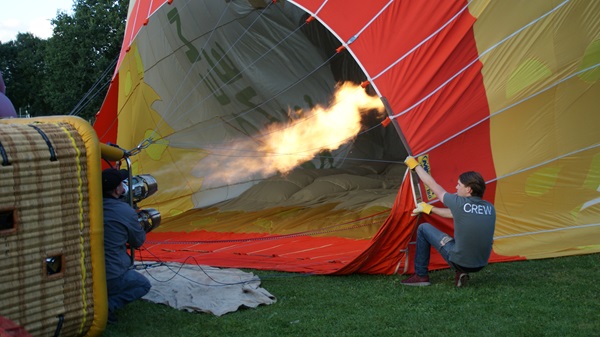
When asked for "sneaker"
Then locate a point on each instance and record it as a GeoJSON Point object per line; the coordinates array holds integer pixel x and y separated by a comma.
{"type": "Point", "coordinates": [416, 280]}
{"type": "Point", "coordinates": [460, 279]}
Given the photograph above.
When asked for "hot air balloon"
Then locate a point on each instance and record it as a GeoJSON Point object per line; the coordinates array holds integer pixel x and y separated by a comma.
{"type": "Point", "coordinates": [277, 130]}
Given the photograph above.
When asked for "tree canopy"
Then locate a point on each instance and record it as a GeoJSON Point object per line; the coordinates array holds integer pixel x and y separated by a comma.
{"type": "Point", "coordinates": [69, 72]}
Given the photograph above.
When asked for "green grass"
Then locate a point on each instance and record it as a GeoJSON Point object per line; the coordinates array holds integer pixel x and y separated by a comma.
{"type": "Point", "coordinates": [552, 297]}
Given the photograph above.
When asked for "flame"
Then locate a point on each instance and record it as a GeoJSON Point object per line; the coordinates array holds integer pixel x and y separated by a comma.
{"type": "Point", "coordinates": [322, 128]}
{"type": "Point", "coordinates": [285, 146]}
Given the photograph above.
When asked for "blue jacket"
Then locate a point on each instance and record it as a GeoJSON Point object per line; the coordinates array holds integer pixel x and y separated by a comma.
{"type": "Point", "coordinates": [121, 226]}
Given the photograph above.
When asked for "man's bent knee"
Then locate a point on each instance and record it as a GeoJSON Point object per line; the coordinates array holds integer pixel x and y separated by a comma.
{"type": "Point", "coordinates": [424, 226]}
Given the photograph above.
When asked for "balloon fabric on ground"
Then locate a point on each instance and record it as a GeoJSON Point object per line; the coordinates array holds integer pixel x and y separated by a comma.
{"type": "Point", "coordinates": [505, 88]}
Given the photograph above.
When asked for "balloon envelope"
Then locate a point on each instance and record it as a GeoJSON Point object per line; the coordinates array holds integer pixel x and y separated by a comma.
{"type": "Point", "coordinates": [505, 88]}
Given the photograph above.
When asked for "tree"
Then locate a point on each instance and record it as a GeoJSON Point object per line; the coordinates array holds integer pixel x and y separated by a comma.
{"type": "Point", "coordinates": [81, 51]}
{"type": "Point", "coordinates": [8, 60]}
{"type": "Point", "coordinates": [25, 73]}
{"type": "Point", "coordinates": [70, 71]}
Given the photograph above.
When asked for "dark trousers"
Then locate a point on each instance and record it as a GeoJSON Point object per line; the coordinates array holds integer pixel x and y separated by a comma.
{"type": "Point", "coordinates": [127, 288]}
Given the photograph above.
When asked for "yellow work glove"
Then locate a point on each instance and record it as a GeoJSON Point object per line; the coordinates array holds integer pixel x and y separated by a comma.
{"type": "Point", "coordinates": [422, 207]}
{"type": "Point", "coordinates": [411, 162]}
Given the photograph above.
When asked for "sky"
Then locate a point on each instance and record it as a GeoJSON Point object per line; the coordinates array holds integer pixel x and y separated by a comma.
{"type": "Point", "coordinates": [29, 16]}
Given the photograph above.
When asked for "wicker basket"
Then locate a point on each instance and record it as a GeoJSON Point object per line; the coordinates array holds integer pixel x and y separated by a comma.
{"type": "Point", "coordinates": [52, 263]}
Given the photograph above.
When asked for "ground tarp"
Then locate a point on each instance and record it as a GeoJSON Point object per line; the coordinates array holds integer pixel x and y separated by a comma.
{"type": "Point", "coordinates": [207, 289]}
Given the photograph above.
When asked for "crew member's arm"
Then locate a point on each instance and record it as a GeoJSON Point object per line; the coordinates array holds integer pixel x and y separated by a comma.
{"type": "Point", "coordinates": [426, 208]}
{"type": "Point", "coordinates": [428, 180]}
{"type": "Point", "coordinates": [443, 212]}
{"type": "Point", "coordinates": [136, 236]}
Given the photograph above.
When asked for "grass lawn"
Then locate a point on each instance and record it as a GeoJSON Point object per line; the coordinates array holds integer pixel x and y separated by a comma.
{"type": "Point", "coordinates": [552, 297]}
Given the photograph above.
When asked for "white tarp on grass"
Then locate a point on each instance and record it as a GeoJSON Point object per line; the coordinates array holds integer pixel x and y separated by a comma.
{"type": "Point", "coordinates": [204, 289]}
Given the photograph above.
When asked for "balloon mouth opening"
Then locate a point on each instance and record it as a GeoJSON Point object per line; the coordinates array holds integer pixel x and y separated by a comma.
{"type": "Point", "coordinates": [229, 119]}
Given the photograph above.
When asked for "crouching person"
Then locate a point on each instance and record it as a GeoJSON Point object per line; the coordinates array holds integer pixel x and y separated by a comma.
{"type": "Point", "coordinates": [121, 228]}
{"type": "Point", "coordinates": [474, 223]}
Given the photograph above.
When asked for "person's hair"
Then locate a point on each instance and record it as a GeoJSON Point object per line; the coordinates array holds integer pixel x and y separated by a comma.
{"type": "Point", "coordinates": [475, 181]}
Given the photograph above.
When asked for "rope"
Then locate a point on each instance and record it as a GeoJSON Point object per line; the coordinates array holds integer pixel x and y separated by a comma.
{"type": "Point", "coordinates": [147, 266]}
{"type": "Point", "coordinates": [511, 106]}
{"type": "Point", "coordinates": [177, 272]}
{"type": "Point", "coordinates": [179, 89]}
{"type": "Point", "coordinates": [423, 41]}
{"type": "Point", "coordinates": [350, 41]}
{"type": "Point", "coordinates": [263, 103]}
{"type": "Point", "coordinates": [227, 120]}
{"type": "Point", "coordinates": [535, 166]}
{"type": "Point", "coordinates": [477, 59]}
{"type": "Point", "coordinates": [546, 231]}
{"type": "Point", "coordinates": [401, 58]}
{"type": "Point", "coordinates": [80, 105]}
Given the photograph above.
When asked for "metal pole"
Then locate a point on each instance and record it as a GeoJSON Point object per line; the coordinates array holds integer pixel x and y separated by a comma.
{"type": "Point", "coordinates": [390, 113]}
